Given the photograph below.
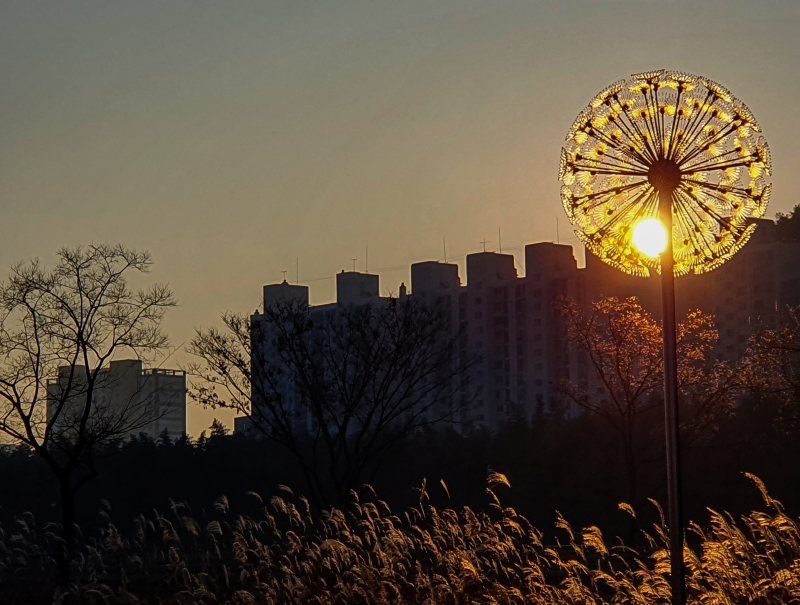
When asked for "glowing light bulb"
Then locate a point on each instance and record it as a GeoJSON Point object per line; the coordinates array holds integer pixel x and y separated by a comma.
{"type": "Point", "coordinates": [649, 237]}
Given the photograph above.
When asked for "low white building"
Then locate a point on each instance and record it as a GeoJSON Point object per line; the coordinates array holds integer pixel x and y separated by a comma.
{"type": "Point", "coordinates": [127, 400]}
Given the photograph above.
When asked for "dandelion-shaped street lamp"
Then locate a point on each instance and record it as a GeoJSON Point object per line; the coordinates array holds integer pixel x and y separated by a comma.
{"type": "Point", "coordinates": [661, 172]}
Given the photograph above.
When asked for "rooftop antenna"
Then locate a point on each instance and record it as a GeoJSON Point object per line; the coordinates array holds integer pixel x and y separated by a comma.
{"type": "Point", "coordinates": [499, 241]}
{"type": "Point", "coordinates": [484, 242]}
{"type": "Point", "coordinates": [444, 245]}
{"type": "Point", "coordinates": [284, 276]}
{"type": "Point", "coordinates": [297, 270]}
{"type": "Point", "coordinates": [366, 262]}
{"type": "Point", "coordinates": [354, 264]}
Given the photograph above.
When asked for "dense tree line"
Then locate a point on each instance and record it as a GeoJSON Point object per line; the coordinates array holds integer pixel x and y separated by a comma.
{"type": "Point", "coordinates": [554, 464]}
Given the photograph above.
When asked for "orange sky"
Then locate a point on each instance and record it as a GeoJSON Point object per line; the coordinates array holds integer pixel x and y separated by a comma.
{"type": "Point", "coordinates": [231, 138]}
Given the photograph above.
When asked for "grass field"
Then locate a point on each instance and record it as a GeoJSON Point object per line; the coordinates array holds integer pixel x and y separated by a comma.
{"type": "Point", "coordinates": [425, 554]}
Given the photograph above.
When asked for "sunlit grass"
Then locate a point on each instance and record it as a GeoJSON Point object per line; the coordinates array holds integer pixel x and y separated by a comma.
{"type": "Point", "coordinates": [423, 555]}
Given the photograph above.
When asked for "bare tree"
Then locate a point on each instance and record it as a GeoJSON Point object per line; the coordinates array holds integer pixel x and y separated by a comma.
{"type": "Point", "coordinates": [340, 389]}
{"type": "Point", "coordinates": [774, 355]}
{"type": "Point", "coordinates": [623, 346]}
{"type": "Point", "coordinates": [58, 329]}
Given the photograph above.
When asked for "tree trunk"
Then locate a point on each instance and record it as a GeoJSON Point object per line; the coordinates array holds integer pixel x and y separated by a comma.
{"type": "Point", "coordinates": [64, 552]}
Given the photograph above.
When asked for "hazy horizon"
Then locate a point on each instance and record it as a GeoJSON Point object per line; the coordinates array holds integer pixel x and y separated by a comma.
{"type": "Point", "coordinates": [231, 140]}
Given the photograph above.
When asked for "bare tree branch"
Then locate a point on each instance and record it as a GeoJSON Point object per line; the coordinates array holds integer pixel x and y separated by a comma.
{"type": "Point", "coordinates": [623, 346]}
{"type": "Point", "coordinates": [58, 329]}
{"type": "Point", "coordinates": [343, 386]}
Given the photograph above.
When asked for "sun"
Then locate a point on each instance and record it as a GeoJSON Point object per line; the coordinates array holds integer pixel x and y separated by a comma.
{"type": "Point", "coordinates": [649, 237]}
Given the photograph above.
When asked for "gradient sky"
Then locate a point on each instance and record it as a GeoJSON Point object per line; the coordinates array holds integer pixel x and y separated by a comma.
{"type": "Point", "coordinates": [231, 138]}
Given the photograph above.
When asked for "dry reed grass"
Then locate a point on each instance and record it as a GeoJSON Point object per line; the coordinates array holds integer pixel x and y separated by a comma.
{"type": "Point", "coordinates": [425, 555]}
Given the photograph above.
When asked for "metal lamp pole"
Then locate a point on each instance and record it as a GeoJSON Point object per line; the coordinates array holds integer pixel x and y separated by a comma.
{"type": "Point", "coordinates": [671, 400]}
{"type": "Point", "coordinates": [631, 129]}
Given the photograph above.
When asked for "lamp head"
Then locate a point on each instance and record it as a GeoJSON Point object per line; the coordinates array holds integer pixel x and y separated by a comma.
{"type": "Point", "coordinates": [664, 175]}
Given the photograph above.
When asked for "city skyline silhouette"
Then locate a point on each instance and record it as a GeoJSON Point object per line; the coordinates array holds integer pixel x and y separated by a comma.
{"type": "Point", "coordinates": [238, 142]}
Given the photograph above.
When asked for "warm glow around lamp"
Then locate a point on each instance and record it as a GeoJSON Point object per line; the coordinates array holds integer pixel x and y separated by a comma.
{"type": "Point", "coordinates": [649, 237]}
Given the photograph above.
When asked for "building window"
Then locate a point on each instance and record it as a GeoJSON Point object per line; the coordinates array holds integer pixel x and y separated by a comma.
{"type": "Point", "coordinates": [538, 367]}
{"type": "Point", "coordinates": [537, 322]}
{"type": "Point", "coordinates": [537, 337]}
{"type": "Point", "coordinates": [538, 382]}
{"type": "Point", "coordinates": [537, 352]}
{"type": "Point", "coordinates": [478, 300]}
{"type": "Point", "coordinates": [537, 307]}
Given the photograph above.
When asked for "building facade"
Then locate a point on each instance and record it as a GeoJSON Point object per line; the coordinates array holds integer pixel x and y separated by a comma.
{"type": "Point", "coordinates": [352, 288]}
{"type": "Point", "coordinates": [127, 397]}
{"type": "Point", "coordinates": [749, 292]}
{"type": "Point", "coordinates": [511, 324]}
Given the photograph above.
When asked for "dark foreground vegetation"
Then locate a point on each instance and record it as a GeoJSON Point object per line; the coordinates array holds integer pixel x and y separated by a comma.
{"type": "Point", "coordinates": [426, 554]}
{"type": "Point", "coordinates": [209, 521]}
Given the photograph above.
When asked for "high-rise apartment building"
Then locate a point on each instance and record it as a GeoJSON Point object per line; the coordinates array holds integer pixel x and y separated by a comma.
{"type": "Point", "coordinates": [352, 288]}
{"type": "Point", "coordinates": [750, 291]}
{"type": "Point", "coordinates": [511, 324]}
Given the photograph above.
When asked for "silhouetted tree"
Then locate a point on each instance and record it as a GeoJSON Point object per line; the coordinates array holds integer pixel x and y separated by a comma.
{"type": "Point", "coordinates": [218, 429]}
{"type": "Point", "coordinates": [75, 317]}
{"type": "Point", "coordinates": [775, 356]}
{"type": "Point", "coordinates": [788, 225]}
{"type": "Point", "coordinates": [624, 386]}
{"type": "Point", "coordinates": [341, 388]}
